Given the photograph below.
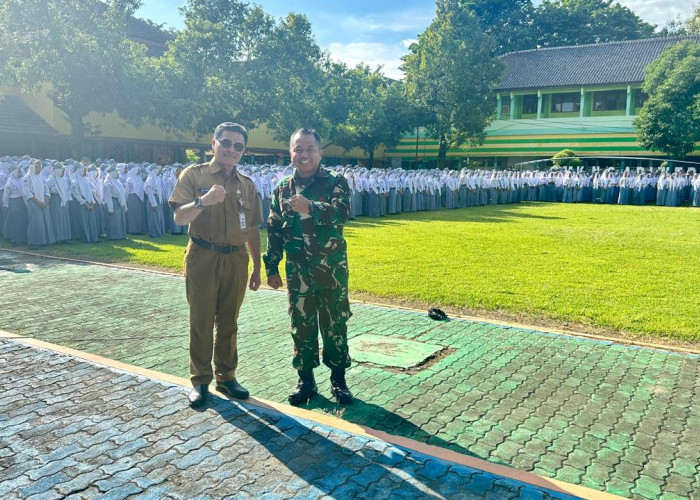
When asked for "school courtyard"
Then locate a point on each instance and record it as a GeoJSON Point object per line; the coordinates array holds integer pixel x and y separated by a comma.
{"type": "Point", "coordinates": [94, 380]}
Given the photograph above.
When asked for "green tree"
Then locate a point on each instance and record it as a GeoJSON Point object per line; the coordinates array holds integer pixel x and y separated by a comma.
{"type": "Point", "coordinates": [79, 48]}
{"type": "Point", "coordinates": [205, 75]}
{"type": "Point", "coordinates": [511, 24]}
{"type": "Point", "coordinates": [678, 26]}
{"type": "Point", "coordinates": [669, 121]}
{"type": "Point", "coordinates": [577, 22]}
{"type": "Point", "coordinates": [235, 62]}
{"type": "Point", "coordinates": [380, 113]}
{"type": "Point", "coordinates": [450, 75]}
{"type": "Point", "coordinates": [566, 158]}
{"type": "Point", "coordinates": [288, 76]}
{"type": "Point", "coordinates": [693, 23]}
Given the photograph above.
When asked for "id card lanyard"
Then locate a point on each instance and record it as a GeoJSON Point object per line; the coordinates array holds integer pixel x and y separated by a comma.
{"type": "Point", "coordinates": [241, 212]}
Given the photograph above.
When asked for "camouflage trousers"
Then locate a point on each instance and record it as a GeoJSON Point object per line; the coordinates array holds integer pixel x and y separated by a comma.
{"type": "Point", "coordinates": [327, 310]}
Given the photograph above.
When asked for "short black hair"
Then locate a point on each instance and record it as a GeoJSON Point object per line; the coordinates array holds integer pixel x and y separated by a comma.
{"type": "Point", "coordinates": [307, 131]}
{"type": "Point", "coordinates": [233, 127]}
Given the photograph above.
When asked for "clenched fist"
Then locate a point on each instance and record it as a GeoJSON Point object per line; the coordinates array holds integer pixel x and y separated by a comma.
{"type": "Point", "coordinates": [214, 196]}
{"type": "Point", "coordinates": [300, 204]}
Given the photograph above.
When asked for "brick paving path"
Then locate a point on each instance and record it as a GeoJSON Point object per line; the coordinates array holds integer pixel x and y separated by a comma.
{"type": "Point", "coordinates": [70, 428]}
{"type": "Point", "coordinates": [609, 417]}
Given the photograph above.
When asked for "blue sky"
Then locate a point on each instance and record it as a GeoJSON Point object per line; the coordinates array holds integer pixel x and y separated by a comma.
{"type": "Point", "coordinates": [379, 32]}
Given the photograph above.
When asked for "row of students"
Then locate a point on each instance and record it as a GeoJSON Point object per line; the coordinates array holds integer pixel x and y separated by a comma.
{"type": "Point", "coordinates": [84, 200]}
{"type": "Point", "coordinates": [47, 202]}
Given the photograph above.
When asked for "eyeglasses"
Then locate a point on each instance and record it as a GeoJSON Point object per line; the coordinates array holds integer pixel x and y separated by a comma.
{"type": "Point", "coordinates": [227, 143]}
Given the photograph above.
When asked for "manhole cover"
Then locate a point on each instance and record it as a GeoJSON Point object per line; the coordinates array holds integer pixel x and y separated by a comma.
{"type": "Point", "coordinates": [14, 270]}
{"type": "Point", "coordinates": [387, 351]}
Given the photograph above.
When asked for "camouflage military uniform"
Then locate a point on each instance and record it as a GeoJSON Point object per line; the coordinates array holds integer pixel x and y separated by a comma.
{"type": "Point", "coordinates": [316, 266]}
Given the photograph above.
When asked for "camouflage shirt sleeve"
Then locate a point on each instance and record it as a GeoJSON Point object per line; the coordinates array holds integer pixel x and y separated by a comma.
{"type": "Point", "coordinates": [275, 236]}
{"type": "Point", "coordinates": [335, 211]}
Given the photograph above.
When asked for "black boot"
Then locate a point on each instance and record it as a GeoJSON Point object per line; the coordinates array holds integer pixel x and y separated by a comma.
{"type": "Point", "coordinates": [306, 388]}
{"type": "Point", "coordinates": [339, 389]}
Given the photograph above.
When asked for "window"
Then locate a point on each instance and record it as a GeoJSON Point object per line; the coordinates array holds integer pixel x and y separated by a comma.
{"type": "Point", "coordinates": [566, 103]}
{"type": "Point", "coordinates": [610, 100]}
{"type": "Point", "coordinates": [530, 104]}
{"type": "Point", "coordinates": [505, 107]}
{"type": "Point", "coordinates": [640, 98]}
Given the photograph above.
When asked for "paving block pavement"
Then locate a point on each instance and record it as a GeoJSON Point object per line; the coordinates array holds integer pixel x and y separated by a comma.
{"type": "Point", "coordinates": [610, 417]}
{"type": "Point", "coordinates": [106, 435]}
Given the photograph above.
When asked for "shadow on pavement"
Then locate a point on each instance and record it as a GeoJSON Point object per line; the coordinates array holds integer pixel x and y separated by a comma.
{"type": "Point", "coordinates": [374, 417]}
{"type": "Point", "coordinates": [330, 460]}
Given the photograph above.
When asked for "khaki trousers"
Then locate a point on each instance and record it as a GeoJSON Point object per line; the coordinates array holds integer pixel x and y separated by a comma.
{"type": "Point", "coordinates": [215, 285]}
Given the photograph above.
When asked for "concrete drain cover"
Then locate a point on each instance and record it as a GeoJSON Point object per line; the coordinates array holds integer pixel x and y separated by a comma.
{"type": "Point", "coordinates": [387, 351]}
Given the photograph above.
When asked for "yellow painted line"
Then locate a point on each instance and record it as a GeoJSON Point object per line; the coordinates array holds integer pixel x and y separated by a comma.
{"type": "Point", "coordinates": [336, 423]}
{"type": "Point", "coordinates": [480, 319]}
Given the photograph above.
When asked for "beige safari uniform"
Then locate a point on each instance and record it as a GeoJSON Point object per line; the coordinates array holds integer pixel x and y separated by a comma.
{"type": "Point", "coordinates": [216, 278]}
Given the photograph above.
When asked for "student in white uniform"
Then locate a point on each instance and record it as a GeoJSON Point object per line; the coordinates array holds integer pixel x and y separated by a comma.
{"type": "Point", "coordinates": [36, 195]}
{"type": "Point", "coordinates": [59, 188]}
{"type": "Point", "coordinates": [115, 201]}
{"type": "Point", "coordinates": [84, 198]}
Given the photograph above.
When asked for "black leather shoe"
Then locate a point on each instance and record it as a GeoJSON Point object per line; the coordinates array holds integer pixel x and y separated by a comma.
{"type": "Point", "coordinates": [232, 389]}
{"type": "Point", "coordinates": [198, 395]}
{"type": "Point", "coordinates": [339, 389]}
{"type": "Point", "coordinates": [305, 390]}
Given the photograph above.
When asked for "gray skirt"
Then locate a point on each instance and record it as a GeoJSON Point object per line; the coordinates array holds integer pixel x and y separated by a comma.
{"type": "Point", "coordinates": [39, 226]}
{"type": "Point", "coordinates": [60, 217]}
{"type": "Point", "coordinates": [135, 215]}
{"type": "Point", "coordinates": [116, 223]}
{"type": "Point", "coordinates": [16, 221]}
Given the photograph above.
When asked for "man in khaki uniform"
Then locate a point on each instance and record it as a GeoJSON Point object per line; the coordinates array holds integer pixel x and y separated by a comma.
{"type": "Point", "coordinates": [222, 209]}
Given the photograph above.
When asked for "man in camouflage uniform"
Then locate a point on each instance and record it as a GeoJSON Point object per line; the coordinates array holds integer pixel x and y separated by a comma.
{"type": "Point", "coordinates": [308, 210]}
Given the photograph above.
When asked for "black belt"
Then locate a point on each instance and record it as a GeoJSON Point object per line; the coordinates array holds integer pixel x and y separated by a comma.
{"type": "Point", "coordinates": [216, 248]}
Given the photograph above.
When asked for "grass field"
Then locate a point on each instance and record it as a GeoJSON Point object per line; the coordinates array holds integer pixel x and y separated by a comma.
{"type": "Point", "coordinates": [624, 269]}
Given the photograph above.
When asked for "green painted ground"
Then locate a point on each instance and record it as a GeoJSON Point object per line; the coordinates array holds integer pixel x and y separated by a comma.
{"type": "Point", "coordinates": [626, 269]}
{"type": "Point", "coordinates": [610, 417]}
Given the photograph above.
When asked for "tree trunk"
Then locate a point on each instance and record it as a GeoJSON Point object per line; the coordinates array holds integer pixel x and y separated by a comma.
{"type": "Point", "coordinates": [370, 158]}
{"type": "Point", "coordinates": [77, 136]}
{"type": "Point", "coordinates": [442, 152]}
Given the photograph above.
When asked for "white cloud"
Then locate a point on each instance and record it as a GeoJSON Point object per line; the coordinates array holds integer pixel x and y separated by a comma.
{"type": "Point", "coordinates": [659, 12]}
{"type": "Point", "coordinates": [374, 38]}
{"type": "Point", "coordinates": [372, 54]}
{"type": "Point", "coordinates": [411, 21]}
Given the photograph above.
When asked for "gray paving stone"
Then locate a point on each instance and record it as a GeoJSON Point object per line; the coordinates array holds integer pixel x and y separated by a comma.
{"type": "Point", "coordinates": [248, 454]}
{"type": "Point", "coordinates": [111, 420]}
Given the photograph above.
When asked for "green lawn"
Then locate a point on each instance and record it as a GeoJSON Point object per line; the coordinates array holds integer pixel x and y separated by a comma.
{"type": "Point", "coordinates": [625, 269]}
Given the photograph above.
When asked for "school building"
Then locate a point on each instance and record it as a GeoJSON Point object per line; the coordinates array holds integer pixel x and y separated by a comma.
{"type": "Point", "coordinates": [31, 124]}
{"type": "Point", "coordinates": [583, 97]}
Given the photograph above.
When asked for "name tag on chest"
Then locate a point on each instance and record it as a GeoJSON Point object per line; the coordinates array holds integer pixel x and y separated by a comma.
{"type": "Point", "coordinates": [241, 220]}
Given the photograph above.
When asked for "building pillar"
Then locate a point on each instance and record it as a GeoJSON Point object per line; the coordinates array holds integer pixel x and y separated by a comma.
{"type": "Point", "coordinates": [512, 106]}
{"type": "Point", "coordinates": [499, 103]}
{"type": "Point", "coordinates": [628, 109]}
{"type": "Point", "coordinates": [582, 103]}
{"type": "Point", "coordinates": [539, 104]}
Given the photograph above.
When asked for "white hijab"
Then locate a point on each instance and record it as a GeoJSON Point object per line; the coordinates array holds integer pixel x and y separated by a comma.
{"type": "Point", "coordinates": [62, 184]}
{"type": "Point", "coordinates": [97, 186]}
{"type": "Point", "coordinates": [82, 184]}
{"type": "Point", "coordinates": [33, 184]}
{"type": "Point", "coordinates": [135, 182]}
{"type": "Point", "coordinates": [153, 181]}
{"type": "Point", "coordinates": [115, 187]}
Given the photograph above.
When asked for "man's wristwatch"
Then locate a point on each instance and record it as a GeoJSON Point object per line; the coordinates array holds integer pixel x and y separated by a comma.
{"type": "Point", "coordinates": [198, 201]}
